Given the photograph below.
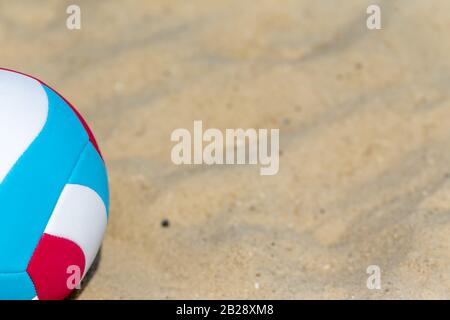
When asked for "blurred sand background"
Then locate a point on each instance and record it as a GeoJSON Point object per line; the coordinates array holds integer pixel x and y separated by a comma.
{"type": "Point", "coordinates": [364, 119]}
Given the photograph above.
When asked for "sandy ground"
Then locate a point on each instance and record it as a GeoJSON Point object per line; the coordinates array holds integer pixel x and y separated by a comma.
{"type": "Point", "coordinates": [364, 118]}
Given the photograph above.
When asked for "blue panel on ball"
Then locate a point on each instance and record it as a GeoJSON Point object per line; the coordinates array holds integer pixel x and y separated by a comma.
{"type": "Point", "coordinates": [17, 286]}
{"type": "Point", "coordinates": [32, 188]}
{"type": "Point", "coordinates": [91, 172]}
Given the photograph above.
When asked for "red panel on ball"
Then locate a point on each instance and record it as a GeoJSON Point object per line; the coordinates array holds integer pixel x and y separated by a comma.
{"type": "Point", "coordinates": [56, 267]}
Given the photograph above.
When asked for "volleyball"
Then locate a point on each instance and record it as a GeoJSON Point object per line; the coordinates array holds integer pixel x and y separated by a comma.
{"type": "Point", "coordinates": [54, 197]}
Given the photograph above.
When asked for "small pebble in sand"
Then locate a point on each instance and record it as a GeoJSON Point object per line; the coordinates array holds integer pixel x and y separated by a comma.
{"type": "Point", "coordinates": [165, 223]}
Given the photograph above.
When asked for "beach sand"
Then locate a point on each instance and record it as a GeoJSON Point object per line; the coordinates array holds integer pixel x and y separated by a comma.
{"type": "Point", "coordinates": [364, 119]}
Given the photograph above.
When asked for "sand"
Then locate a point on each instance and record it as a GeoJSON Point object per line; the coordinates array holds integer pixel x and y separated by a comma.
{"type": "Point", "coordinates": [364, 119]}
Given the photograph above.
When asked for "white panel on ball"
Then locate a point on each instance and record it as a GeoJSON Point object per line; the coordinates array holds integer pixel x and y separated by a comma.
{"type": "Point", "coordinates": [80, 216]}
{"type": "Point", "coordinates": [23, 114]}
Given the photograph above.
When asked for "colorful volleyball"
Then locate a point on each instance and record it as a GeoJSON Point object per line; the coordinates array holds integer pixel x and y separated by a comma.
{"type": "Point", "coordinates": [54, 195]}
